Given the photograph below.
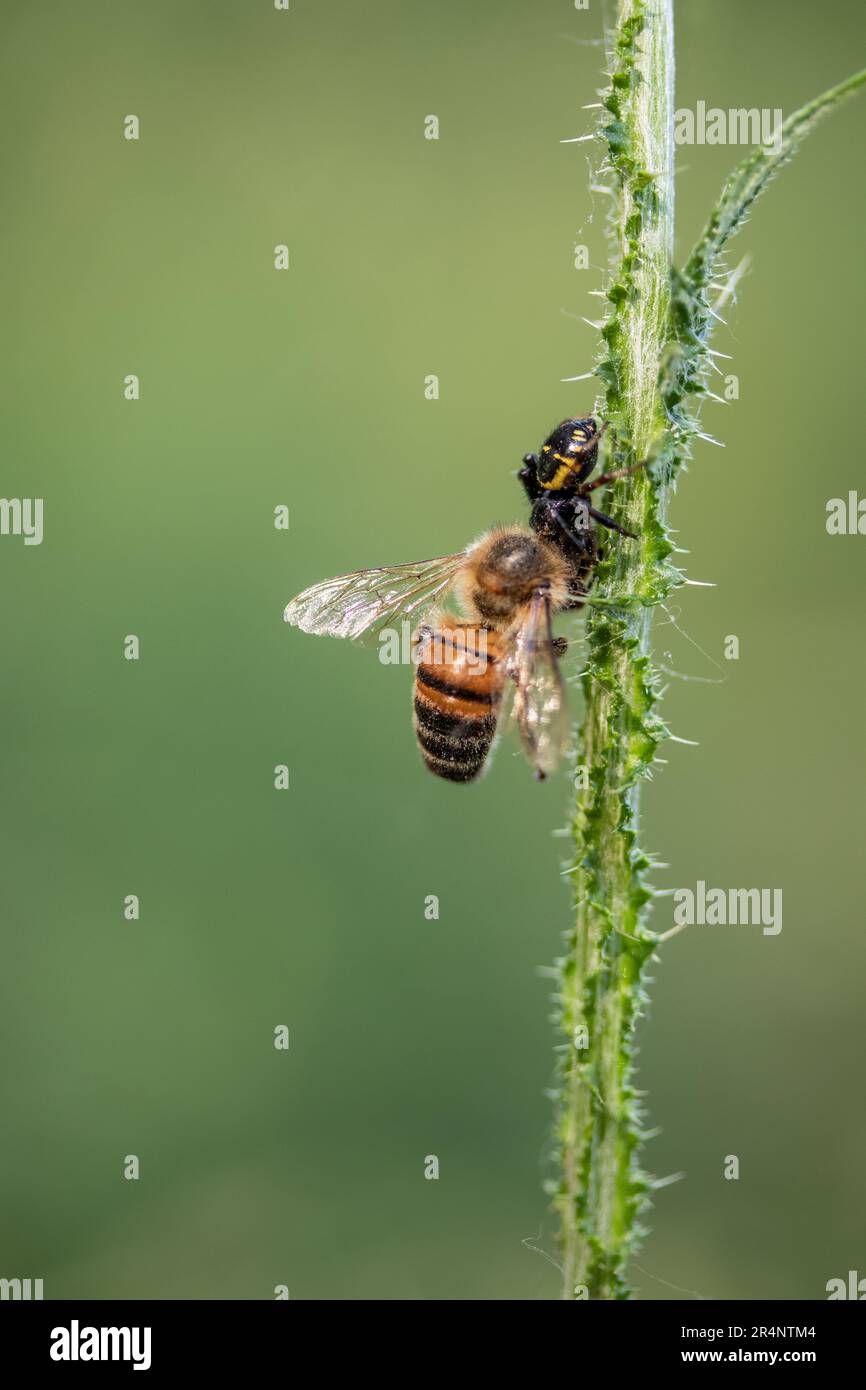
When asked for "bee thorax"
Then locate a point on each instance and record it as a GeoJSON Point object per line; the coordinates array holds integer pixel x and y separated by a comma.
{"type": "Point", "coordinates": [503, 572]}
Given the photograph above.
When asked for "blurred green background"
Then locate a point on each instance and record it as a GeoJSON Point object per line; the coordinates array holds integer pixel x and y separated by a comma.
{"type": "Point", "coordinates": [306, 388]}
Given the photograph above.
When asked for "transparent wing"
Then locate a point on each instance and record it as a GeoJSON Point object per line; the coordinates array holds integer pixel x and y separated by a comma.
{"type": "Point", "coordinates": [539, 703]}
{"type": "Point", "coordinates": [359, 605]}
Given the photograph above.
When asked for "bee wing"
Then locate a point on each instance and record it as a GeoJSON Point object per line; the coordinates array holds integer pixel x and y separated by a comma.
{"type": "Point", "coordinates": [539, 703]}
{"type": "Point", "coordinates": [359, 605]}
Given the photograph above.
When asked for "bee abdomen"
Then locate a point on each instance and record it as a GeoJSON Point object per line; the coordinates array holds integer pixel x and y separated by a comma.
{"type": "Point", "coordinates": [452, 745]}
{"type": "Point", "coordinates": [457, 707]}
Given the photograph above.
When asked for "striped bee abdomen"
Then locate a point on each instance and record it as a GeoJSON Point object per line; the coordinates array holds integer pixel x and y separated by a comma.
{"type": "Point", "coordinates": [457, 697]}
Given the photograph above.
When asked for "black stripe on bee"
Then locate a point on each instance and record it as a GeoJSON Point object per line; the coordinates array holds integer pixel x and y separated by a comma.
{"type": "Point", "coordinates": [458, 692]}
{"type": "Point", "coordinates": [470, 751]}
{"type": "Point", "coordinates": [437, 721]}
{"type": "Point", "coordinates": [453, 772]}
{"type": "Point", "coordinates": [458, 738]}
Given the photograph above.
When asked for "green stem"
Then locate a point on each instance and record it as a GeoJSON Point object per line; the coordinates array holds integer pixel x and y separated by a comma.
{"type": "Point", "coordinates": [654, 369]}
{"type": "Point", "coordinates": [602, 1191]}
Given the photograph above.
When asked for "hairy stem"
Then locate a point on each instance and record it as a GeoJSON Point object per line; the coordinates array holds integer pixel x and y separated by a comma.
{"type": "Point", "coordinates": [654, 367]}
{"type": "Point", "coordinates": [600, 992]}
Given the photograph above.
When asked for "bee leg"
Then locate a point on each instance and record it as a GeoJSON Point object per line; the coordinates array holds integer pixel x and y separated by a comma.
{"type": "Point", "coordinates": [611, 525]}
{"type": "Point", "coordinates": [423, 633]}
{"type": "Point", "coordinates": [578, 593]}
{"type": "Point", "coordinates": [560, 645]}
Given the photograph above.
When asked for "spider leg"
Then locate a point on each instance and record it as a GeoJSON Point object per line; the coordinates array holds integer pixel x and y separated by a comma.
{"type": "Point", "coordinates": [611, 525]}
{"type": "Point", "coordinates": [529, 477]}
{"type": "Point", "coordinates": [610, 477]}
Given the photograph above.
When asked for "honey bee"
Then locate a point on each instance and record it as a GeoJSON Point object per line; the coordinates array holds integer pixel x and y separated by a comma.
{"type": "Point", "coordinates": [508, 584]}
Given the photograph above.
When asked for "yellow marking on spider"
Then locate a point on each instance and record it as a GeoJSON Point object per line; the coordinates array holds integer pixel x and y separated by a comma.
{"type": "Point", "coordinates": [558, 478]}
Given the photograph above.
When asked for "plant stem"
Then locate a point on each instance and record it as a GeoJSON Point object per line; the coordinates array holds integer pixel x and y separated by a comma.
{"type": "Point", "coordinates": [654, 368]}
{"type": "Point", "coordinates": [600, 993]}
